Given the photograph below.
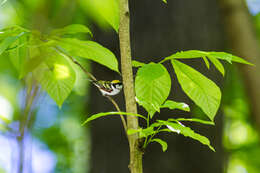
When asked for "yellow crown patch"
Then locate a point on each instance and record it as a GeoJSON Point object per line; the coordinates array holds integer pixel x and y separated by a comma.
{"type": "Point", "coordinates": [115, 81]}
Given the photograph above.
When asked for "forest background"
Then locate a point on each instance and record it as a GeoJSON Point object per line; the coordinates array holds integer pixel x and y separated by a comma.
{"type": "Point", "coordinates": [57, 138]}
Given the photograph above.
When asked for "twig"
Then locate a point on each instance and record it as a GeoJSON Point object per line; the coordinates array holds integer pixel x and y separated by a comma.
{"type": "Point", "coordinates": [118, 110]}
{"type": "Point", "coordinates": [75, 62]}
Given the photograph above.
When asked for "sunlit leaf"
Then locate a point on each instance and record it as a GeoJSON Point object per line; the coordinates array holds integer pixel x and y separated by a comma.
{"type": "Point", "coordinates": [33, 63]}
{"type": "Point", "coordinates": [187, 54]}
{"type": "Point", "coordinates": [12, 31]}
{"type": "Point", "coordinates": [192, 120]}
{"type": "Point", "coordinates": [204, 92]}
{"type": "Point", "coordinates": [72, 29]}
{"type": "Point", "coordinates": [90, 50]}
{"type": "Point", "coordinates": [137, 63]}
{"type": "Point", "coordinates": [217, 64]}
{"type": "Point", "coordinates": [228, 57]}
{"type": "Point", "coordinates": [146, 132]}
{"type": "Point", "coordinates": [103, 10]}
{"type": "Point", "coordinates": [8, 42]}
{"type": "Point", "coordinates": [143, 133]}
{"type": "Point", "coordinates": [165, 1]}
{"type": "Point", "coordinates": [199, 54]}
{"type": "Point", "coordinates": [20, 55]}
{"type": "Point", "coordinates": [103, 114]}
{"type": "Point", "coordinates": [175, 105]}
{"type": "Point", "coordinates": [206, 61]}
{"type": "Point", "coordinates": [133, 131]}
{"type": "Point", "coordinates": [56, 77]}
{"type": "Point", "coordinates": [161, 142]}
{"type": "Point", "coordinates": [186, 131]}
{"type": "Point", "coordinates": [152, 86]}
{"type": "Point", "coordinates": [38, 52]}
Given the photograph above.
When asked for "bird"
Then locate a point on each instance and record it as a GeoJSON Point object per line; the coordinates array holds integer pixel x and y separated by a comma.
{"type": "Point", "coordinates": [108, 88]}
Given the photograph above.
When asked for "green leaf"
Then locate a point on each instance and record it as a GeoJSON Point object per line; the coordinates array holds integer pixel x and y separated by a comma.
{"type": "Point", "coordinates": [33, 63]}
{"type": "Point", "coordinates": [12, 31]}
{"type": "Point", "coordinates": [90, 50]}
{"type": "Point", "coordinates": [72, 29]}
{"type": "Point", "coordinates": [176, 105]}
{"type": "Point", "coordinates": [38, 51]}
{"type": "Point", "coordinates": [143, 133]}
{"type": "Point", "coordinates": [103, 114]}
{"type": "Point", "coordinates": [56, 77]}
{"type": "Point", "coordinates": [187, 132]}
{"type": "Point", "coordinates": [8, 42]}
{"type": "Point", "coordinates": [199, 54]}
{"type": "Point", "coordinates": [206, 61]}
{"type": "Point", "coordinates": [217, 64]}
{"type": "Point", "coordinates": [192, 120]}
{"type": "Point", "coordinates": [29, 53]}
{"type": "Point", "coordinates": [187, 55]}
{"type": "Point", "coordinates": [161, 142]}
{"type": "Point", "coordinates": [228, 57]}
{"type": "Point", "coordinates": [103, 10]}
{"type": "Point", "coordinates": [137, 63]}
{"type": "Point", "coordinates": [20, 55]}
{"type": "Point", "coordinates": [152, 86]}
{"type": "Point", "coordinates": [146, 132]}
{"type": "Point", "coordinates": [133, 131]}
{"type": "Point", "coordinates": [204, 92]}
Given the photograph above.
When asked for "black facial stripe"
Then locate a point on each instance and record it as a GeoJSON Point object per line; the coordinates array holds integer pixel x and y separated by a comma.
{"type": "Point", "coordinates": [115, 85]}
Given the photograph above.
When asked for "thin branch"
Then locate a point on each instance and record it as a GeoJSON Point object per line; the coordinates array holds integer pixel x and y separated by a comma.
{"type": "Point", "coordinates": [118, 110]}
{"type": "Point", "coordinates": [75, 62]}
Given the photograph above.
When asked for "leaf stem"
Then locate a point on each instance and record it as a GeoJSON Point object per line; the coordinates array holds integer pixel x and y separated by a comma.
{"type": "Point", "coordinates": [162, 61]}
{"type": "Point", "coordinates": [151, 137]}
{"type": "Point", "coordinates": [147, 125]}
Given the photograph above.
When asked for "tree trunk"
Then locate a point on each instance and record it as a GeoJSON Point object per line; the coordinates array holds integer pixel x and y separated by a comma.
{"type": "Point", "coordinates": [127, 73]}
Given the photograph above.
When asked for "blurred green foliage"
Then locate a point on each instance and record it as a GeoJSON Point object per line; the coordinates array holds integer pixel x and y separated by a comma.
{"type": "Point", "coordinates": [64, 136]}
{"type": "Point", "coordinates": [240, 138]}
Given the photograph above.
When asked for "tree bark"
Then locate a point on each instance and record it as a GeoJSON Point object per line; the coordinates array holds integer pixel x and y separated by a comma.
{"type": "Point", "coordinates": [243, 42]}
{"type": "Point", "coordinates": [135, 165]}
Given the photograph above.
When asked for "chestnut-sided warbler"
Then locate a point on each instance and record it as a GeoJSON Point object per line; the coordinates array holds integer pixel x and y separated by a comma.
{"type": "Point", "coordinates": [109, 88]}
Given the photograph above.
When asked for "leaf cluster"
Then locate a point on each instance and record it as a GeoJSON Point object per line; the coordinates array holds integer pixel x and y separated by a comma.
{"type": "Point", "coordinates": [50, 60]}
{"type": "Point", "coordinates": [153, 85]}
{"type": "Point", "coordinates": [49, 57]}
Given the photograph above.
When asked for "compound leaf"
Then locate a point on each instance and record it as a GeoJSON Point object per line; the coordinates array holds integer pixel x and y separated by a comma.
{"type": "Point", "coordinates": [186, 131]}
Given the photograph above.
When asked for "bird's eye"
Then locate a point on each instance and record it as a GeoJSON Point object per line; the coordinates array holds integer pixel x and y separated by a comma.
{"type": "Point", "coordinates": [117, 85]}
